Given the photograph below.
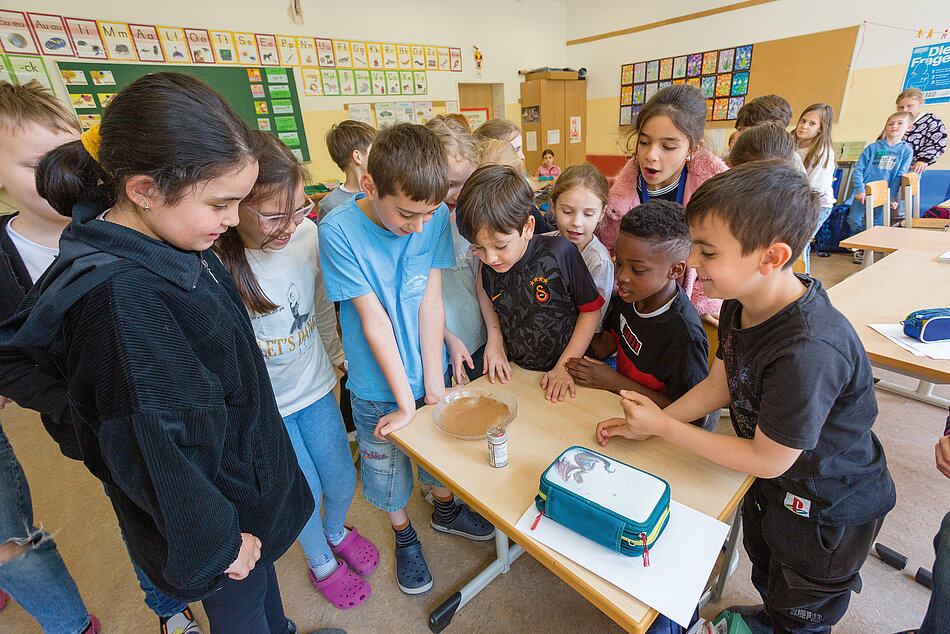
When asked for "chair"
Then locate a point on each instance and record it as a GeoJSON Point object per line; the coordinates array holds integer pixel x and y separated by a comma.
{"type": "Point", "coordinates": [877, 194]}
{"type": "Point", "coordinates": [910, 192]}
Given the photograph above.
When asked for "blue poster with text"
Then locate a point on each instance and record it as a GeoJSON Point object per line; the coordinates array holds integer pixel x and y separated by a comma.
{"type": "Point", "coordinates": [929, 70]}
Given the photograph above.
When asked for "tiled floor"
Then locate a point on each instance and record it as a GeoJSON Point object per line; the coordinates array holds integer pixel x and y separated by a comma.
{"type": "Point", "coordinates": [70, 503]}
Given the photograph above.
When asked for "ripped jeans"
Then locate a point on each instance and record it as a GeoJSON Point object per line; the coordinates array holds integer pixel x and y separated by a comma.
{"type": "Point", "coordinates": [38, 579]}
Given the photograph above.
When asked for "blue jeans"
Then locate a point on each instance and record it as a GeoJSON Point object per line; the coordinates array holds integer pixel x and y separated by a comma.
{"type": "Point", "coordinates": [38, 579]}
{"type": "Point", "coordinates": [937, 618]}
{"type": "Point", "coordinates": [825, 212]}
{"type": "Point", "coordinates": [323, 453]}
{"type": "Point", "coordinates": [385, 471]}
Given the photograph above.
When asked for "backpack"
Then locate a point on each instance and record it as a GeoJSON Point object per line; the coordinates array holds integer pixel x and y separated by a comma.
{"type": "Point", "coordinates": [833, 231]}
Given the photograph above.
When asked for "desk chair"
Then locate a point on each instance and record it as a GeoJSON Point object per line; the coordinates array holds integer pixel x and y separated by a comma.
{"type": "Point", "coordinates": [878, 194]}
{"type": "Point", "coordinates": [910, 192]}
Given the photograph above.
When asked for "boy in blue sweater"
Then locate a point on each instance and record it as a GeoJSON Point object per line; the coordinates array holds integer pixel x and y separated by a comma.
{"type": "Point", "coordinates": [884, 160]}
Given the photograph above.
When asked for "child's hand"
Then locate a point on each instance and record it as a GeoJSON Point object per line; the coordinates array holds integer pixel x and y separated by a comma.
{"type": "Point", "coordinates": [496, 361]}
{"type": "Point", "coordinates": [394, 420]}
{"type": "Point", "coordinates": [557, 383]}
{"type": "Point", "coordinates": [943, 455]}
{"type": "Point", "coordinates": [4, 400]}
{"type": "Point", "coordinates": [615, 427]}
{"type": "Point", "coordinates": [642, 418]}
{"type": "Point", "coordinates": [435, 392]}
{"type": "Point", "coordinates": [247, 557]}
{"type": "Point", "coordinates": [920, 167]}
{"type": "Point", "coordinates": [458, 356]}
{"type": "Point", "coordinates": [592, 373]}
{"type": "Point", "coordinates": [860, 196]}
{"type": "Point", "coordinates": [895, 204]}
{"type": "Point", "coordinates": [712, 319]}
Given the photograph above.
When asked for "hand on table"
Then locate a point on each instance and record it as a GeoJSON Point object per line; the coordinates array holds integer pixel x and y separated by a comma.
{"type": "Point", "coordinates": [394, 420]}
{"type": "Point", "coordinates": [592, 373]}
{"type": "Point", "coordinates": [642, 418]}
{"type": "Point", "coordinates": [496, 361]}
{"type": "Point", "coordinates": [247, 557]}
{"type": "Point", "coordinates": [556, 383]}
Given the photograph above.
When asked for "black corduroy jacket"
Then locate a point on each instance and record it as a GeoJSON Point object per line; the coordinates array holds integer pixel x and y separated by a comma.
{"type": "Point", "coordinates": [153, 352]}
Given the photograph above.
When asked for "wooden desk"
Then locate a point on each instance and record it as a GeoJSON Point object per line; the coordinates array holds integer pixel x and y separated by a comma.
{"type": "Point", "coordinates": [945, 204]}
{"type": "Point", "coordinates": [538, 435]}
{"type": "Point", "coordinates": [887, 292]}
{"type": "Point", "coordinates": [890, 239]}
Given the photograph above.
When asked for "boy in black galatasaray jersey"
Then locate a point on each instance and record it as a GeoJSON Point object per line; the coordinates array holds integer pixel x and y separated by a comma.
{"type": "Point", "coordinates": [799, 388]}
{"type": "Point", "coordinates": [536, 293]}
{"type": "Point", "coordinates": [661, 346]}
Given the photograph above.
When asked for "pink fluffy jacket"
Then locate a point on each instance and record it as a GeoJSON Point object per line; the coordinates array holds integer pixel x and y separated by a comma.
{"type": "Point", "coordinates": [624, 197]}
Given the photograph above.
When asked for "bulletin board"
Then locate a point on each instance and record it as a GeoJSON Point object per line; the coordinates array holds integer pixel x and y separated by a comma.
{"type": "Point", "coordinates": [265, 98]}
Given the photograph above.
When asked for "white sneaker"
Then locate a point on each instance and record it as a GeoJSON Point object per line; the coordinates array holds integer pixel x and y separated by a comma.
{"type": "Point", "coordinates": [181, 623]}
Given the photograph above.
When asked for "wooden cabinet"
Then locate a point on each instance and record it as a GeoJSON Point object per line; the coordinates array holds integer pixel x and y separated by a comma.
{"type": "Point", "coordinates": [547, 109]}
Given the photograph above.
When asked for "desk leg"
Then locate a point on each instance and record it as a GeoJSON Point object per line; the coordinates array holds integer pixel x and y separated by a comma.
{"type": "Point", "coordinates": [440, 618]}
{"type": "Point", "coordinates": [730, 557]}
{"type": "Point", "coordinates": [924, 392]}
{"type": "Point", "coordinates": [868, 259]}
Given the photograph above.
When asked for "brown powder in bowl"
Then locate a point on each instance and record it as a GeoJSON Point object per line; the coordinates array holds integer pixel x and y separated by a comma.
{"type": "Point", "coordinates": [473, 415]}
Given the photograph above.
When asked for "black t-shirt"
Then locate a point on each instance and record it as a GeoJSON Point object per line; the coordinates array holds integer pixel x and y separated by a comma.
{"type": "Point", "coordinates": [539, 298]}
{"type": "Point", "coordinates": [666, 351]}
{"type": "Point", "coordinates": [803, 378]}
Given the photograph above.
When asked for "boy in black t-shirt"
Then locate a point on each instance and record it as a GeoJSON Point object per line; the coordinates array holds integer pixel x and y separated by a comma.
{"type": "Point", "coordinates": [536, 293]}
{"type": "Point", "coordinates": [799, 387]}
{"type": "Point", "coordinates": [661, 346]}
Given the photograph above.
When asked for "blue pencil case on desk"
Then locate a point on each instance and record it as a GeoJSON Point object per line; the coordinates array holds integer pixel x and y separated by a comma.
{"type": "Point", "coordinates": [928, 325]}
{"type": "Point", "coordinates": [605, 500]}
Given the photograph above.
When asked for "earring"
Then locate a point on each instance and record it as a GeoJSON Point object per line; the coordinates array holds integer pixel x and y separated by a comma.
{"type": "Point", "coordinates": [146, 207]}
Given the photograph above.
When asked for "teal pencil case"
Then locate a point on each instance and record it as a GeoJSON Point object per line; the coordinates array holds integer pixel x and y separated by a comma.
{"type": "Point", "coordinates": [605, 500]}
{"type": "Point", "coordinates": [928, 325]}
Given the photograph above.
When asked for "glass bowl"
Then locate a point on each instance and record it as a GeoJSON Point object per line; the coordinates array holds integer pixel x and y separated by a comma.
{"type": "Point", "coordinates": [476, 433]}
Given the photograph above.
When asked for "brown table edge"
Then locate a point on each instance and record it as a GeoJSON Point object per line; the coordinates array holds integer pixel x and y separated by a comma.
{"type": "Point", "coordinates": [848, 244]}
{"type": "Point", "coordinates": [532, 547]}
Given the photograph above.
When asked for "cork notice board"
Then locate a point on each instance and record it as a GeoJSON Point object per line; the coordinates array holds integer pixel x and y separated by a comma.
{"type": "Point", "coordinates": [806, 69]}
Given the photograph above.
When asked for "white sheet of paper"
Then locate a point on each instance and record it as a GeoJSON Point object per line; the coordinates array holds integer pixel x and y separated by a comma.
{"type": "Point", "coordinates": [895, 332]}
{"type": "Point", "coordinates": [531, 141]}
{"type": "Point", "coordinates": [452, 107]}
{"type": "Point", "coordinates": [361, 112]}
{"type": "Point", "coordinates": [554, 137]}
{"type": "Point", "coordinates": [680, 562]}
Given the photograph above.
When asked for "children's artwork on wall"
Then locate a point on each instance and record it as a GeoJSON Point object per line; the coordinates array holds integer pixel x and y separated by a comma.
{"type": "Point", "coordinates": [225, 52]}
{"type": "Point", "coordinates": [639, 94]}
{"type": "Point", "coordinates": [15, 35]}
{"type": "Point", "coordinates": [102, 77]}
{"type": "Point", "coordinates": [743, 57]}
{"type": "Point", "coordinates": [406, 82]}
{"type": "Point", "coordinates": [267, 45]}
{"type": "Point", "coordinates": [393, 86]}
{"type": "Point", "coordinates": [666, 68]}
{"type": "Point", "coordinates": [626, 95]}
{"type": "Point", "coordinates": [708, 86]}
{"type": "Point", "coordinates": [626, 74]}
{"type": "Point", "coordinates": [51, 34]}
{"type": "Point", "coordinates": [390, 57]}
{"type": "Point", "coordinates": [455, 59]}
{"type": "Point", "coordinates": [639, 73]}
{"type": "Point", "coordinates": [105, 98]}
{"type": "Point", "coordinates": [663, 84]}
{"type": "Point", "coordinates": [341, 52]}
{"type": "Point", "coordinates": [723, 85]}
{"type": "Point", "coordinates": [307, 48]}
{"type": "Point", "coordinates": [331, 82]}
{"type": "Point", "coordinates": [653, 70]}
{"type": "Point", "coordinates": [246, 45]}
{"type": "Point", "coordinates": [347, 83]}
{"type": "Point", "coordinates": [359, 54]}
{"type": "Point", "coordinates": [679, 67]}
{"type": "Point", "coordinates": [694, 64]}
{"type": "Point", "coordinates": [148, 46]}
{"type": "Point", "coordinates": [89, 120]}
{"type": "Point", "coordinates": [709, 109]}
{"type": "Point", "coordinates": [625, 115]}
{"type": "Point", "coordinates": [312, 83]}
{"type": "Point", "coordinates": [650, 91]}
{"type": "Point", "coordinates": [443, 57]}
{"type": "Point", "coordinates": [726, 58]}
{"type": "Point", "coordinates": [288, 50]}
{"type": "Point", "coordinates": [86, 38]}
{"type": "Point", "coordinates": [418, 58]}
{"type": "Point", "coordinates": [404, 53]}
{"type": "Point", "coordinates": [73, 77]}
{"type": "Point", "coordinates": [734, 104]}
{"type": "Point", "coordinates": [720, 110]}
{"type": "Point", "coordinates": [254, 74]}
{"type": "Point", "coordinates": [199, 43]}
{"type": "Point", "coordinates": [379, 81]}
{"type": "Point", "coordinates": [364, 83]}
{"type": "Point", "coordinates": [374, 55]}
{"type": "Point", "coordinates": [709, 62]}
{"type": "Point", "coordinates": [325, 58]}
{"type": "Point", "coordinates": [174, 45]}
{"type": "Point", "coordinates": [83, 100]}
{"type": "Point", "coordinates": [679, 81]}
{"type": "Point", "coordinates": [740, 83]}
{"type": "Point", "coordinates": [695, 82]}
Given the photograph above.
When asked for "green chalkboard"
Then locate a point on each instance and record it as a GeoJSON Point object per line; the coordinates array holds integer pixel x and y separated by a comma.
{"type": "Point", "coordinates": [266, 98]}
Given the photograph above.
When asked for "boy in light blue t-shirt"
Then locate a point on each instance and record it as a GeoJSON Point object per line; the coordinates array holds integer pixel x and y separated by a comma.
{"type": "Point", "coordinates": [383, 254]}
{"type": "Point", "coordinates": [884, 160]}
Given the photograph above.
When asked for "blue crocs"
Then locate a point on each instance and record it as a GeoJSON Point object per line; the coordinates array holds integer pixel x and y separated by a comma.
{"type": "Point", "coordinates": [412, 572]}
{"type": "Point", "coordinates": [468, 524]}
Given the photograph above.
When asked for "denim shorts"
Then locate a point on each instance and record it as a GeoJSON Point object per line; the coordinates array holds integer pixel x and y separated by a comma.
{"type": "Point", "coordinates": [385, 471]}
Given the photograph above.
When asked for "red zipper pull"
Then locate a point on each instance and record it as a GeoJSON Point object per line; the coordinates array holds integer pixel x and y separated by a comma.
{"type": "Point", "coordinates": [536, 520]}
{"type": "Point", "coordinates": [646, 551]}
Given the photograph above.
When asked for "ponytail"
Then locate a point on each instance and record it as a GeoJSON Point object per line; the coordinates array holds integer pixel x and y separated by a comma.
{"type": "Point", "coordinates": [68, 175]}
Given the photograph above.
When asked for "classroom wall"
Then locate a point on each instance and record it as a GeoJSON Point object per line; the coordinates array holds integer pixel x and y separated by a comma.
{"type": "Point", "coordinates": [878, 65]}
{"type": "Point", "coordinates": [511, 36]}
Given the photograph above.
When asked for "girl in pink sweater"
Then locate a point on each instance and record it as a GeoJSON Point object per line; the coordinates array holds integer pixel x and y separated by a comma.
{"type": "Point", "coordinates": [669, 163]}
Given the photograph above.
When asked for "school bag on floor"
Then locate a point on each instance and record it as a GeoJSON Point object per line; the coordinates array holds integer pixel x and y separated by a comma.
{"type": "Point", "coordinates": [835, 229]}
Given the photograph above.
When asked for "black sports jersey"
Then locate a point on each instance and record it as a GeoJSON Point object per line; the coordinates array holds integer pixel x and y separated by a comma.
{"type": "Point", "coordinates": [539, 298]}
{"type": "Point", "coordinates": [666, 351]}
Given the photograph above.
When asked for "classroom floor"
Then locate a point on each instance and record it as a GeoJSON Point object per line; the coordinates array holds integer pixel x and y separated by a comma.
{"type": "Point", "coordinates": [70, 503]}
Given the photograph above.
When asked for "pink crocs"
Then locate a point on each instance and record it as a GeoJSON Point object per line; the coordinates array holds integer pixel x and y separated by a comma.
{"type": "Point", "coordinates": [358, 552]}
{"type": "Point", "coordinates": [343, 588]}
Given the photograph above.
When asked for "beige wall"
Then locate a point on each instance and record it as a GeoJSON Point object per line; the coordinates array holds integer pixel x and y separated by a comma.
{"type": "Point", "coordinates": [878, 66]}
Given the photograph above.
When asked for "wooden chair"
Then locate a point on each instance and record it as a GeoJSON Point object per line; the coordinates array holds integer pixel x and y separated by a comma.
{"type": "Point", "coordinates": [877, 194]}
{"type": "Point", "coordinates": [910, 192]}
